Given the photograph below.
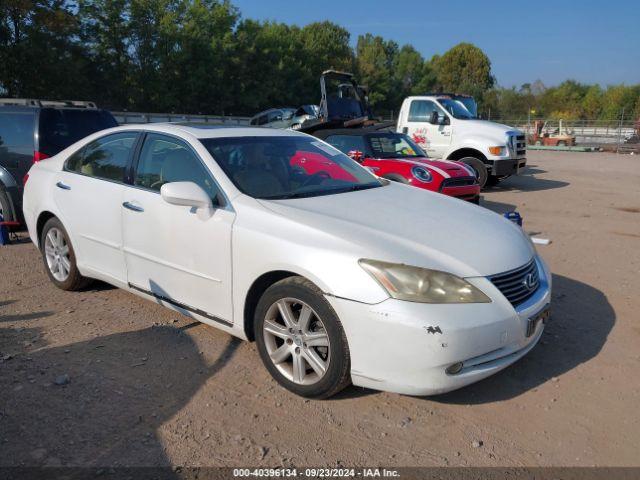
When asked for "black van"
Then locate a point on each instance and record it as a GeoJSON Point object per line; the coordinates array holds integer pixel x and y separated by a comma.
{"type": "Point", "coordinates": [32, 130]}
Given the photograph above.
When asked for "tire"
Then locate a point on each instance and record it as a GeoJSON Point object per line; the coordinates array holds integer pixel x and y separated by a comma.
{"type": "Point", "coordinates": [293, 367]}
{"type": "Point", "coordinates": [539, 142]}
{"type": "Point", "coordinates": [55, 245]}
{"type": "Point", "coordinates": [562, 143]}
{"type": "Point", "coordinates": [6, 209]}
{"type": "Point", "coordinates": [479, 167]}
{"type": "Point", "coordinates": [493, 180]}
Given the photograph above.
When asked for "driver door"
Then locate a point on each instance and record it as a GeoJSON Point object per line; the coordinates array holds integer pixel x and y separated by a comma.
{"type": "Point", "coordinates": [180, 255]}
{"type": "Point", "coordinates": [434, 139]}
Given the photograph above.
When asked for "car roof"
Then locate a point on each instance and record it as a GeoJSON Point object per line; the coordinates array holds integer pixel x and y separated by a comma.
{"type": "Point", "coordinates": [275, 109]}
{"type": "Point", "coordinates": [202, 131]}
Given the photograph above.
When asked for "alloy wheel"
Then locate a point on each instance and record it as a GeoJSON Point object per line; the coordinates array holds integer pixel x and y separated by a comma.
{"type": "Point", "coordinates": [56, 250]}
{"type": "Point", "coordinates": [296, 341]}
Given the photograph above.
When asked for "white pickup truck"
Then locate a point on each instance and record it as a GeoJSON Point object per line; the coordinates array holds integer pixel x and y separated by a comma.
{"type": "Point", "coordinates": [445, 126]}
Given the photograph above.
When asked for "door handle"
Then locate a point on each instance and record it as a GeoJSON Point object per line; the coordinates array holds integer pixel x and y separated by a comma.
{"type": "Point", "coordinates": [63, 186]}
{"type": "Point", "coordinates": [133, 207]}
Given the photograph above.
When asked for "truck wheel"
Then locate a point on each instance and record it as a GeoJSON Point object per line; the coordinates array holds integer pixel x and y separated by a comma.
{"type": "Point", "coordinates": [539, 142]}
{"type": "Point", "coordinates": [493, 180]}
{"type": "Point", "coordinates": [478, 167]}
{"type": "Point", "coordinates": [5, 207]}
{"type": "Point", "coordinates": [562, 143]}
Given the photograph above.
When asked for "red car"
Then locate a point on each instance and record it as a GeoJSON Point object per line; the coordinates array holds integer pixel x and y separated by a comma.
{"type": "Point", "coordinates": [396, 157]}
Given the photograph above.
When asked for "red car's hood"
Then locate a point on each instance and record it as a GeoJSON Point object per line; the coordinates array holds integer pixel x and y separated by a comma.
{"type": "Point", "coordinates": [445, 168]}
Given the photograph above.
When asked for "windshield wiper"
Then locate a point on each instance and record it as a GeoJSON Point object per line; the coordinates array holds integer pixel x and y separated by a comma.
{"type": "Point", "coordinates": [314, 193]}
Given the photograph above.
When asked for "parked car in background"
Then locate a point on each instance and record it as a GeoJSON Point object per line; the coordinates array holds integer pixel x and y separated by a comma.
{"type": "Point", "coordinates": [273, 118]}
{"type": "Point", "coordinates": [303, 114]}
{"type": "Point", "coordinates": [396, 157]}
{"type": "Point", "coordinates": [32, 130]}
{"type": "Point", "coordinates": [445, 128]}
{"type": "Point", "coordinates": [345, 278]}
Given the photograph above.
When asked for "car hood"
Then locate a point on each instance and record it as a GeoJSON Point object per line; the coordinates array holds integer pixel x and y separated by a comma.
{"type": "Point", "coordinates": [484, 128]}
{"type": "Point", "coordinates": [404, 224]}
{"type": "Point", "coordinates": [445, 168]}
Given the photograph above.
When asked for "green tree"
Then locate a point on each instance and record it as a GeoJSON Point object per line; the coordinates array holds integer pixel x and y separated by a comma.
{"type": "Point", "coordinates": [464, 69]}
{"type": "Point", "coordinates": [375, 60]}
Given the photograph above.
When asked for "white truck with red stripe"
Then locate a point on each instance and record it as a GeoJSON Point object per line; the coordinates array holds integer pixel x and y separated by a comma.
{"type": "Point", "coordinates": [446, 127]}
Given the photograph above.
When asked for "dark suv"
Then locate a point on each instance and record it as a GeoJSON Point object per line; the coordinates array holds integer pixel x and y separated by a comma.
{"type": "Point", "coordinates": [32, 130]}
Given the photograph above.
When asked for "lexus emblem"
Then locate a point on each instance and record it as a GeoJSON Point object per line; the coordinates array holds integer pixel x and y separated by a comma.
{"type": "Point", "coordinates": [529, 281]}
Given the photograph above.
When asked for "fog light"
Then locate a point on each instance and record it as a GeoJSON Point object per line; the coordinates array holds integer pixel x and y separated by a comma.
{"type": "Point", "coordinates": [454, 369]}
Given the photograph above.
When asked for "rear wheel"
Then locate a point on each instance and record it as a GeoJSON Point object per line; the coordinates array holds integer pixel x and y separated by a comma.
{"type": "Point", "coordinates": [562, 143]}
{"type": "Point", "coordinates": [300, 339]}
{"type": "Point", "coordinates": [5, 207]}
{"type": "Point", "coordinates": [479, 167]}
{"type": "Point", "coordinates": [59, 257]}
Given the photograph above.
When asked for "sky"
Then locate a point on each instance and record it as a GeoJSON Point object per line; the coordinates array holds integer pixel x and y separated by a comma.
{"type": "Point", "coordinates": [589, 41]}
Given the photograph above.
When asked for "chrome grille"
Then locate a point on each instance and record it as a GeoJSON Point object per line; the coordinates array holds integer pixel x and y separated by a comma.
{"type": "Point", "coordinates": [521, 146]}
{"type": "Point", "coordinates": [518, 285]}
{"type": "Point", "coordinates": [458, 182]}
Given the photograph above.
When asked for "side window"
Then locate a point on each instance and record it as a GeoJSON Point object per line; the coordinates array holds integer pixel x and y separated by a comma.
{"type": "Point", "coordinates": [105, 157]}
{"type": "Point", "coordinates": [347, 143]}
{"type": "Point", "coordinates": [262, 119]}
{"type": "Point", "coordinates": [275, 116]}
{"type": "Point", "coordinates": [16, 129]}
{"type": "Point", "coordinates": [420, 110]}
{"type": "Point", "coordinates": [164, 159]}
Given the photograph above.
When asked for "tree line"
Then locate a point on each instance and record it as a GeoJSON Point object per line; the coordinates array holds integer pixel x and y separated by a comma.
{"type": "Point", "coordinates": [201, 56]}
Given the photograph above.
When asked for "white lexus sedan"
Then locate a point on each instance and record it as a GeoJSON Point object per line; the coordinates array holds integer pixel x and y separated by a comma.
{"type": "Point", "coordinates": [275, 236]}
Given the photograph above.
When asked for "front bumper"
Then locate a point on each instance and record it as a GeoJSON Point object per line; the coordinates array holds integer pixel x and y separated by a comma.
{"type": "Point", "coordinates": [467, 192]}
{"type": "Point", "coordinates": [406, 347]}
{"type": "Point", "coordinates": [507, 166]}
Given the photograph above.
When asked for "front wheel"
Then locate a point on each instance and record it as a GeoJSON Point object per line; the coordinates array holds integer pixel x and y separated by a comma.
{"type": "Point", "coordinates": [479, 167]}
{"type": "Point", "coordinates": [59, 257]}
{"type": "Point", "coordinates": [300, 339]}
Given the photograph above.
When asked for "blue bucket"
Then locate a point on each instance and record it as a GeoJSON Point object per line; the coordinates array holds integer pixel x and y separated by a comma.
{"type": "Point", "coordinates": [514, 216]}
{"type": "Point", "coordinates": [4, 233]}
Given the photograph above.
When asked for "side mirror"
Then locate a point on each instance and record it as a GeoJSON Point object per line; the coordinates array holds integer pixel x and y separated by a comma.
{"type": "Point", "coordinates": [356, 155]}
{"type": "Point", "coordinates": [186, 194]}
{"type": "Point", "coordinates": [434, 119]}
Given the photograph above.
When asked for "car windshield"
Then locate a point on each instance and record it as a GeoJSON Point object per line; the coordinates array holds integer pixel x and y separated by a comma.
{"type": "Point", "coordinates": [393, 145]}
{"type": "Point", "coordinates": [281, 167]}
{"type": "Point", "coordinates": [456, 108]}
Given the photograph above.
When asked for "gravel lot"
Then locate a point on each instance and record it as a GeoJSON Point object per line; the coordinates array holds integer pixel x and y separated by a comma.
{"type": "Point", "coordinates": [104, 378]}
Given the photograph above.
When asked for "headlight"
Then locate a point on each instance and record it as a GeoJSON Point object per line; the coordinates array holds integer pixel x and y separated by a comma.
{"type": "Point", "coordinates": [422, 174]}
{"type": "Point", "coordinates": [497, 151]}
{"type": "Point", "coordinates": [422, 285]}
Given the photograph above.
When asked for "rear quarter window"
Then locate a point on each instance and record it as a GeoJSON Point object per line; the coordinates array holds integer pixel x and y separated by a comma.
{"type": "Point", "coordinates": [60, 128]}
{"type": "Point", "coordinates": [16, 129]}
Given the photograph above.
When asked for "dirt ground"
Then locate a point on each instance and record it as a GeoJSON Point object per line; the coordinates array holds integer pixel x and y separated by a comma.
{"type": "Point", "coordinates": [104, 378]}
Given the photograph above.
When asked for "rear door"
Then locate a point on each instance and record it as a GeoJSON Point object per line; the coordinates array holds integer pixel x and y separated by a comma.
{"type": "Point", "coordinates": [180, 255]}
{"type": "Point", "coordinates": [88, 193]}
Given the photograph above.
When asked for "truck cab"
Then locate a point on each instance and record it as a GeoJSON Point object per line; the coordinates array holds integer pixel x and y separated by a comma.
{"type": "Point", "coordinates": [446, 126]}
